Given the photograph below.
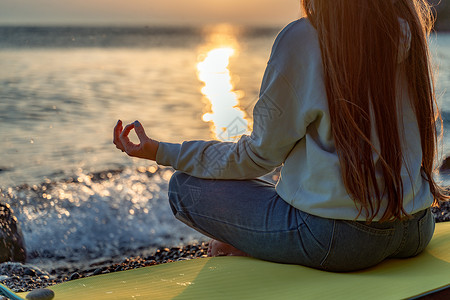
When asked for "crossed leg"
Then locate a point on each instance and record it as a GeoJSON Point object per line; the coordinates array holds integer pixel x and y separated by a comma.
{"type": "Point", "coordinates": [243, 217]}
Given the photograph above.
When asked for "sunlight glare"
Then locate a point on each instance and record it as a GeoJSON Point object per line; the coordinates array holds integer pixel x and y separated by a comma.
{"type": "Point", "coordinates": [228, 121]}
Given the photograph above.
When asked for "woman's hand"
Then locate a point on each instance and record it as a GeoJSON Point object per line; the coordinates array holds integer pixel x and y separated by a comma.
{"type": "Point", "coordinates": [147, 147]}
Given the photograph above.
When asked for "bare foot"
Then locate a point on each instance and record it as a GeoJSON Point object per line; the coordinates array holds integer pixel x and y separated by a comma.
{"type": "Point", "coordinates": [217, 248]}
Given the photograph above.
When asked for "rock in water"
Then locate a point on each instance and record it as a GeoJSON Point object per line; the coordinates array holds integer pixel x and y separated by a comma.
{"type": "Point", "coordinates": [41, 294]}
{"type": "Point", "coordinates": [12, 247]}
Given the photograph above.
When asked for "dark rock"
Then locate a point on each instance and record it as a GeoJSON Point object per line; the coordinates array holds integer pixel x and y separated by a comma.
{"type": "Point", "coordinates": [125, 261]}
{"type": "Point", "coordinates": [442, 213]}
{"type": "Point", "coordinates": [12, 246]}
{"type": "Point", "coordinates": [98, 272]}
{"type": "Point", "coordinates": [41, 294]}
{"type": "Point", "coordinates": [445, 166]}
{"type": "Point", "coordinates": [29, 272]}
{"type": "Point", "coordinates": [74, 276]}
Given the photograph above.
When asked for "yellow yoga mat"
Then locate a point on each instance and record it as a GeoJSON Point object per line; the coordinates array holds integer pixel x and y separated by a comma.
{"type": "Point", "coordinates": [248, 278]}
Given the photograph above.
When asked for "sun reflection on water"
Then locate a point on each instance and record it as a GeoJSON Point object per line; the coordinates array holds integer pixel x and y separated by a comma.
{"type": "Point", "coordinates": [227, 120]}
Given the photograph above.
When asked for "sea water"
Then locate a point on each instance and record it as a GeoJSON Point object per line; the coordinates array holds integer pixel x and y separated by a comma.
{"type": "Point", "coordinates": [62, 89]}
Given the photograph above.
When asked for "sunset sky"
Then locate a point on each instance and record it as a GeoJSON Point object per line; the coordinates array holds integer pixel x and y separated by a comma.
{"type": "Point", "coordinates": [147, 11]}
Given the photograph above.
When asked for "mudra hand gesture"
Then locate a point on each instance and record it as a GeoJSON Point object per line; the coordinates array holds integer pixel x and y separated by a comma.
{"type": "Point", "coordinates": [147, 147]}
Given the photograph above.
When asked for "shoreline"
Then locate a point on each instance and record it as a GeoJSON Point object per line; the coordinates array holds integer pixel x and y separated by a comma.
{"type": "Point", "coordinates": [24, 277]}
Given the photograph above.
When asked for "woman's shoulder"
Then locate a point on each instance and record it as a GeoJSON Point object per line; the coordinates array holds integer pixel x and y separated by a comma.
{"type": "Point", "coordinates": [296, 41]}
{"type": "Point", "coordinates": [297, 28]}
{"type": "Point", "coordinates": [296, 49]}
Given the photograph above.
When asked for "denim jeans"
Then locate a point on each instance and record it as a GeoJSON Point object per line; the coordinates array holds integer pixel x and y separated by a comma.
{"type": "Point", "coordinates": [250, 215]}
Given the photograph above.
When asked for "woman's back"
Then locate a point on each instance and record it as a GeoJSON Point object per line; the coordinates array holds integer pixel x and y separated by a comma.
{"type": "Point", "coordinates": [368, 73]}
{"type": "Point", "coordinates": [311, 177]}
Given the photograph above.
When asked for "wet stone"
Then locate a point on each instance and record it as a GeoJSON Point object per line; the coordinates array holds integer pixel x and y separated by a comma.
{"type": "Point", "coordinates": [30, 272]}
{"type": "Point", "coordinates": [41, 294]}
{"type": "Point", "coordinates": [74, 276]}
{"type": "Point", "coordinates": [97, 272]}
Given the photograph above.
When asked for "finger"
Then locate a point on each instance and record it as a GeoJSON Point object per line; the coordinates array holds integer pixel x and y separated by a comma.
{"type": "Point", "coordinates": [140, 132]}
{"type": "Point", "coordinates": [119, 126]}
{"type": "Point", "coordinates": [117, 131]}
{"type": "Point", "coordinates": [126, 143]}
{"type": "Point", "coordinates": [126, 130]}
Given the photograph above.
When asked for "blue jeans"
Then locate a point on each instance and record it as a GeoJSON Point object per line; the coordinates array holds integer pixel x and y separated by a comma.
{"type": "Point", "coordinates": [250, 215]}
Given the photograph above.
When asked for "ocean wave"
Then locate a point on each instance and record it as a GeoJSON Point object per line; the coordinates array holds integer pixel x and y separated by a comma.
{"type": "Point", "coordinates": [97, 216]}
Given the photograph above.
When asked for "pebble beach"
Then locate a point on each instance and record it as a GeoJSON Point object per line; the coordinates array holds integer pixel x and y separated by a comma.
{"type": "Point", "coordinates": [23, 277]}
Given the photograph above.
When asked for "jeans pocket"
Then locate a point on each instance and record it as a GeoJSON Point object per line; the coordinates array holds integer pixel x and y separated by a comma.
{"type": "Point", "coordinates": [356, 245]}
{"type": "Point", "coordinates": [425, 227]}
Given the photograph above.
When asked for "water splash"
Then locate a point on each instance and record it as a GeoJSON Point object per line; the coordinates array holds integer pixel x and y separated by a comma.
{"type": "Point", "coordinates": [88, 218]}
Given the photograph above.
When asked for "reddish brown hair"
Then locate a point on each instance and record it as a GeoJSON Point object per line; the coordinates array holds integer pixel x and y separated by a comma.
{"type": "Point", "coordinates": [360, 43]}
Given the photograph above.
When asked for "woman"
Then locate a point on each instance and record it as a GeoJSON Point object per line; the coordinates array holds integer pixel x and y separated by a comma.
{"type": "Point", "coordinates": [347, 107]}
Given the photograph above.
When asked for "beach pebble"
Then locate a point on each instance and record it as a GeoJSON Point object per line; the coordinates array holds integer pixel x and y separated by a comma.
{"type": "Point", "coordinates": [74, 276]}
{"type": "Point", "coordinates": [41, 294]}
{"type": "Point", "coordinates": [30, 272]}
{"type": "Point", "coordinates": [98, 271]}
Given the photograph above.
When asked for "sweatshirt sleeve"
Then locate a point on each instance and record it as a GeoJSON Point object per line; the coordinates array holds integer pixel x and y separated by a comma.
{"type": "Point", "coordinates": [278, 125]}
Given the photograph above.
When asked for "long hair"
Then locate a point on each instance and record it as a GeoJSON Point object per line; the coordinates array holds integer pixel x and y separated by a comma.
{"type": "Point", "coordinates": [360, 43]}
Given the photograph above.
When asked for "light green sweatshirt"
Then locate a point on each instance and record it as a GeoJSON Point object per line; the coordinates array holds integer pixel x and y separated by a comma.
{"type": "Point", "coordinates": [292, 128]}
